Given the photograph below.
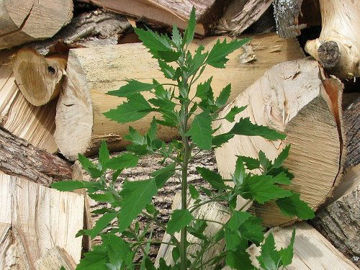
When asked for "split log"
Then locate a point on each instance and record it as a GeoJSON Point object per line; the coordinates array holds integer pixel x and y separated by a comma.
{"type": "Point", "coordinates": [165, 12]}
{"type": "Point", "coordinates": [338, 47]}
{"type": "Point", "coordinates": [54, 260]}
{"type": "Point", "coordinates": [34, 124]}
{"type": "Point", "coordinates": [92, 72]}
{"type": "Point", "coordinates": [42, 218]}
{"type": "Point", "coordinates": [352, 127]}
{"type": "Point", "coordinates": [291, 98]}
{"type": "Point", "coordinates": [19, 158]}
{"type": "Point", "coordinates": [38, 78]}
{"type": "Point", "coordinates": [22, 21]}
{"type": "Point", "coordinates": [339, 221]}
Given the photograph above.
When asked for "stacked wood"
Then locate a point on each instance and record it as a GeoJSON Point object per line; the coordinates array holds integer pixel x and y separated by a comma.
{"type": "Point", "coordinates": [22, 21]}
{"type": "Point", "coordinates": [94, 71]}
{"type": "Point", "coordinates": [35, 219]}
{"type": "Point", "coordinates": [352, 127]}
{"type": "Point", "coordinates": [54, 260]}
{"type": "Point", "coordinates": [339, 221]}
{"type": "Point", "coordinates": [291, 98]}
{"type": "Point", "coordinates": [34, 124]}
{"type": "Point", "coordinates": [165, 12]}
{"type": "Point", "coordinates": [338, 46]}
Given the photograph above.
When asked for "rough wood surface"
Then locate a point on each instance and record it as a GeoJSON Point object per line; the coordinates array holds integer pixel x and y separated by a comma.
{"type": "Point", "coordinates": [43, 217]}
{"type": "Point", "coordinates": [338, 48]}
{"type": "Point", "coordinates": [163, 11]}
{"type": "Point", "coordinates": [312, 251]}
{"type": "Point", "coordinates": [291, 98]}
{"type": "Point", "coordinates": [241, 14]}
{"type": "Point", "coordinates": [352, 127]}
{"type": "Point", "coordinates": [54, 259]}
{"type": "Point", "coordinates": [34, 124]}
{"type": "Point", "coordinates": [94, 71]}
{"type": "Point", "coordinates": [339, 221]}
{"type": "Point", "coordinates": [22, 21]}
{"type": "Point", "coordinates": [18, 157]}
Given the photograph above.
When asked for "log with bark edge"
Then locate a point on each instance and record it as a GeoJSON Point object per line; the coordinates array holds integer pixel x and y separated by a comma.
{"type": "Point", "coordinates": [339, 220]}
{"type": "Point", "coordinates": [92, 72]}
{"type": "Point", "coordinates": [34, 124]}
{"type": "Point", "coordinates": [39, 78]}
{"type": "Point", "coordinates": [22, 21]}
{"type": "Point", "coordinates": [338, 47]}
{"type": "Point", "coordinates": [37, 219]}
{"type": "Point", "coordinates": [291, 98]}
{"type": "Point", "coordinates": [166, 12]}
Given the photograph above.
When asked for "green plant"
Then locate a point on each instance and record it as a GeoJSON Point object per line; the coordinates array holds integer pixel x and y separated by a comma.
{"type": "Point", "coordinates": [177, 104]}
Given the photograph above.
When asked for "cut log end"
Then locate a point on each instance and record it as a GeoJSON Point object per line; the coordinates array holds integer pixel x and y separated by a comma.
{"type": "Point", "coordinates": [38, 78]}
{"type": "Point", "coordinates": [329, 54]}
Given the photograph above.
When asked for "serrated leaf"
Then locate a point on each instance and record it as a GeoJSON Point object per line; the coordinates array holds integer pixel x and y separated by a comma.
{"type": "Point", "coordinates": [179, 219]}
{"type": "Point", "coordinates": [282, 178]}
{"type": "Point", "coordinates": [190, 30]}
{"type": "Point", "coordinates": [203, 90]}
{"type": "Point", "coordinates": [250, 163]}
{"type": "Point", "coordinates": [224, 96]}
{"type": "Point", "coordinates": [167, 70]}
{"type": "Point", "coordinates": [162, 175]}
{"type": "Point", "coordinates": [193, 192]}
{"type": "Point", "coordinates": [102, 197]}
{"type": "Point", "coordinates": [175, 254]}
{"type": "Point", "coordinates": [239, 260]}
{"type": "Point", "coordinates": [89, 166]}
{"type": "Point", "coordinates": [294, 206]}
{"type": "Point", "coordinates": [103, 154]}
{"type": "Point", "coordinates": [217, 56]}
{"type": "Point", "coordinates": [122, 161]}
{"type": "Point", "coordinates": [278, 162]}
{"type": "Point", "coordinates": [200, 131]}
{"type": "Point", "coordinates": [135, 137]}
{"type": "Point", "coordinates": [239, 173]}
{"type": "Point", "coordinates": [169, 56]}
{"type": "Point", "coordinates": [73, 185]}
{"type": "Point", "coordinates": [287, 254]}
{"type": "Point", "coordinates": [176, 36]}
{"type": "Point", "coordinates": [153, 41]}
{"type": "Point", "coordinates": [245, 127]}
{"type": "Point", "coordinates": [95, 259]}
{"type": "Point", "coordinates": [264, 161]}
{"type": "Point", "coordinates": [198, 61]}
{"type": "Point", "coordinates": [134, 109]}
{"type": "Point", "coordinates": [135, 196]}
{"type": "Point", "coordinates": [213, 178]}
{"type": "Point", "coordinates": [119, 252]}
{"type": "Point", "coordinates": [132, 87]}
{"type": "Point", "coordinates": [101, 224]}
{"type": "Point", "coordinates": [219, 140]}
{"type": "Point", "coordinates": [230, 116]}
{"type": "Point", "coordinates": [269, 258]}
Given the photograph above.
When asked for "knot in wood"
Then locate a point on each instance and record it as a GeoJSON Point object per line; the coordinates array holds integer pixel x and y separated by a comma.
{"type": "Point", "coordinates": [329, 54]}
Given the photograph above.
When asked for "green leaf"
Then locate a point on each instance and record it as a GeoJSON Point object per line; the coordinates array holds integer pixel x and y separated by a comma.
{"type": "Point", "coordinates": [135, 137]}
{"type": "Point", "coordinates": [102, 197]}
{"type": "Point", "coordinates": [122, 161]}
{"type": "Point", "coordinates": [264, 161]}
{"type": "Point", "coordinates": [286, 254]}
{"type": "Point", "coordinates": [175, 254]}
{"type": "Point", "coordinates": [224, 96]}
{"type": "Point", "coordinates": [269, 258]}
{"type": "Point", "coordinates": [153, 41]}
{"type": "Point", "coordinates": [190, 30]}
{"type": "Point", "coordinates": [239, 260]}
{"type": "Point", "coordinates": [101, 224]}
{"type": "Point", "coordinates": [72, 185]}
{"type": "Point", "coordinates": [135, 196]}
{"type": "Point", "coordinates": [162, 175]}
{"type": "Point", "coordinates": [219, 140]}
{"type": "Point", "coordinates": [245, 127]}
{"type": "Point", "coordinates": [261, 188]}
{"type": "Point", "coordinates": [294, 206]}
{"type": "Point", "coordinates": [282, 178]}
{"type": "Point", "coordinates": [213, 178]}
{"type": "Point", "coordinates": [119, 252]}
{"type": "Point", "coordinates": [239, 173]}
{"type": "Point", "coordinates": [217, 56]}
{"type": "Point", "coordinates": [250, 163]}
{"type": "Point", "coordinates": [134, 109]}
{"type": "Point", "coordinates": [193, 192]}
{"type": "Point", "coordinates": [176, 36]}
{"type": "Point", "coordinates": [168, 71]}
{"type": "Point", "coordinates": [95, 259]}
{"type": "Point", "coordinates": [89, 166]}
{"type": "Point", "coordinates": [198, 61]}
{"type": "Point", "coordinates": [103, 154]}
{"type": "Point", "coordinates": [203, 90]}
{"type": "Point", "coordinates": [230, 116]}
{"type": "Point", "coordinates": [169, 56]}
{"type": "Point", "coordinates": [200, 131]}
{"type": "Point", "coordinates": [179, 219]}
{"type": "Point", "coordinates": [278, 162]}
{"type": "Point", "coordinates": [132, 87]}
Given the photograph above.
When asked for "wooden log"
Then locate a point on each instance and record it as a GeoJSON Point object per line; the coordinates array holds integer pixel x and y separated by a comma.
{"type": "Point", "coordinates": [339, 221]}
{"type": "Point", "coordinates": [22, 21]}
{"type": "Point", "coordinates": [38, 78]}
{"type": "Point", "coordinates": [291, 98]}
{"type": "Point", "coordinates": [92, 72]}
{"type": "Point", "coordinates": [165, 12]}
{"type": "Point", "coordinates": [43, 218]}
{"type": "Point", "coordinates": [34, 124]}
{"type": "Point", "coordinates": [338, 47]}
{"type": "Point", "coordinates": [54, 259]}
{"type": "Point", "coordinates": [352, 127]}
{"type": "Point", "coordinates": [18, 157]}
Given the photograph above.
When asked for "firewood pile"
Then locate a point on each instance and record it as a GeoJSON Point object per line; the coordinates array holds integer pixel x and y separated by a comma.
{"type": "Point", "coordinates": [59, 58]}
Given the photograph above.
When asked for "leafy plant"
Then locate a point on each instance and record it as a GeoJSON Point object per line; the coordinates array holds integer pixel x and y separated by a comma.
{"type": "Point", "coordinates": [191, 108]}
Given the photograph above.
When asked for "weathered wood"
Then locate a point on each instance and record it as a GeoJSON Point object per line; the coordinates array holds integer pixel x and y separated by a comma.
{"type": "Point", "coordinates": [291, 98]}
{"type": "Point", "coordinates": [22, 21]}
{"type": "Point", "coordinates": [18, 157]}
{"type": "Point", "coordinates": [43, 218]}
{"type": "Point", "coordinates": [339, 221]}
{"type": "Point", "coordinates": [240, 14]}
{"type": "Point", "coordinates": [94, 71]}
{"type": "Point", "coordinates": [352, 127]}
{"type": "Point", "coordinates": [54, 260]}
{"type": "Point", "coordinates": [34, 124]}
{"type": "Point", "coordinates": [338, 47]}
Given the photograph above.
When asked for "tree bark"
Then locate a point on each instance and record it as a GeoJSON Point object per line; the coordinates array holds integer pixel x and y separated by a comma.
{"type": "Point", "coordinates": [352, 127]}
{"type": "Point", "coordinates": [22, 21]}
{"type": "Point", "coordinates": [292, 99]}
{"type": "Point", "coordinates": [92, 72]}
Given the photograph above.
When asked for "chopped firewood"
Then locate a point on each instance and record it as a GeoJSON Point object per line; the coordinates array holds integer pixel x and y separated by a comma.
{"type": "Point", "coordinates": [42, 217]}
{"type": "Point", "coordinates": [54, 260]}
{"type": "Point", "coordinates": [339, 221]}
{"type": "Point", "coordinates": [291, 98]}
{"type": "Point", "coordinates": [338, 46]}
{"type": "Point", "coordinates": [92, 72]}
{"type": "Point", "coordinates": [38, 78]}
{"type": "Point", "coordinates": [165, 12]}
{"type": "Point", "coordinates": [352, 127]}
{"type": "Point", "coordinates": [22, 21]}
